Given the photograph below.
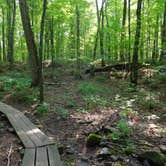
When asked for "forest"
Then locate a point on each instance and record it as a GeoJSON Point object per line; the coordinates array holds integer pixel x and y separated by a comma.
{"type": "Point", "coordinates": [83, 82]}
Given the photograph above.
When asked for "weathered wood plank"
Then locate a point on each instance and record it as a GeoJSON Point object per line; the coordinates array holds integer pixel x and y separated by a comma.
{"type": "Point", "coordinates": [20, 131]}
{"type": "Point", "coordinates": [6, 109]}
{"type": "Point", "coordinates": [36, 132]}
{"type": "Point", "coordinates": [36, 135]}
{"type": "Point", "coordinates": [43, 153]}
{"type": "Point", "coordinates": [29, 157]}
{"type": "Point", "coordinates": [31, 131]}
{"type": "Point", "coordinates": [53, 155]}
{"type": "Point", "coordinates": [41, 156]}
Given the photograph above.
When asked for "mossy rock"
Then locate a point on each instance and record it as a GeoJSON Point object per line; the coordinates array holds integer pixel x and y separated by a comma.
{"type": "Point", "coordinates": [154, 158]}
{"type": "Point", "coordinates": [93, 140]}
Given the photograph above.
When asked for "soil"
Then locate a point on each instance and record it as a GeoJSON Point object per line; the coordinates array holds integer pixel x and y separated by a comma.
{"type": "Point", "coordinates": [11, 149]}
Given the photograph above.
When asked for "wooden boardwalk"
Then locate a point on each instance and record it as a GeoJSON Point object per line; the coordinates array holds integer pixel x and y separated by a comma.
{"type": "Point", "coordinates": [39, 150]}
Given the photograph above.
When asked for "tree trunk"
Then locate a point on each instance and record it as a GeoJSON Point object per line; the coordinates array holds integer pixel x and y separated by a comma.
{"type": "Point", "coordinates": [134, 72]}
{"type": "Point", "coordinates": [129, 30]}
{"type": "Point", "coordinates": [163, 37]}
{"type": "Point", "coordinates": [41, 51]}
{"type": "Point", "coordinates": [52, 41]}
{"type": "Point", "coordinates": [102, 38]}
{"type": "Point", "coordinates": [78, 74]}
{"type": "Point", "coordinates": [155, 42]}
{"type": "Point", "coordinates": [3, 35]}
{"type": "Point", "coordinates": [122, 51]}
{"type": "Point", "coordinates": [29, 36]}
{"type": "Point", "coordinates": [11, 26]}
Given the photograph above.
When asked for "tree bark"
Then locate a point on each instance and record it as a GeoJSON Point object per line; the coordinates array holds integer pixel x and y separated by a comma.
{"type": "Point", "coordinates": [155, 41]}
{"type": "Point", "coordinates": [11, 27]}
{"type": "Point", "coordinates": [134, 72]}
{"type": "Point", "coordinates": [41, 51]}
{"type": "Point", "coordinates": [29, 36]}
{"type": "Point", "coordinates": [122, 52]}
{"type": "Point", "coordinates": [129, 30]}
{"type": "Point", "coordinates": [78, 74]}
{"type": "Point", "coordinates": [3, 35]}
{"type": "Point", "coordinates": [163, 37]}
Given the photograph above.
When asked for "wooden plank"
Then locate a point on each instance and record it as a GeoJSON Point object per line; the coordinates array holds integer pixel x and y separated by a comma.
{"type": "Point", "coordinates": [37, 136]}
{"type": "Point", "coordinates": [29, 157]}
{"type": "Point", "coordinates": [41, 156]}
{"type": "Point", "coordinates": [27, 141]}
{"type": "Point", "coordinates": [42, 138]}
{"type": "Point", "coordinates": [31, 130]}
{"type": "Point", "coordinates": [6, 109]}
{"type": "Point", "coordinates": [54, 157]}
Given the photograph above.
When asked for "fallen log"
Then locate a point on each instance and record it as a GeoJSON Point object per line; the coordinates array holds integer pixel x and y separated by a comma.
{"type": "Point", "coordinates": [124, 66]}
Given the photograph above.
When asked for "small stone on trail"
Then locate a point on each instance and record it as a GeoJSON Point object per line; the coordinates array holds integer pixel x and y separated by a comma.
{"type": "Point", "coordinates": [83, 162]}
{"type": "Point", "coordinates": [163, 148]}
{"type": "Point", "coordinates": [104, 153]}
{"type": "Point", "coordinates": [11, 130]}
{"type": "Point", "coordinates": [70, 150]}
{"type": "Point", "coordinates": [114, 158]}
{"type": "Point", "coordinates": [146, 163]}
{"type": "Point", "coordinates": [107, 163]}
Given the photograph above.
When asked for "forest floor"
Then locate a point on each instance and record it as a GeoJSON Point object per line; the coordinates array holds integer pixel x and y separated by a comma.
{"type": "Point", "coordinates": [98, 120]}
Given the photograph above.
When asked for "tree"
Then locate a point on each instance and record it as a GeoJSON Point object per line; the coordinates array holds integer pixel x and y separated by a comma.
{"type": "Point", "coordinates": [32, 49]}
{"type": "Point", "coordinates": [11, 25]}
{"type": "Point", "coordinates": [78, 42]}
{"type": "Point", "coordinates": [122, 52]}
{"type": "Point", "coordinates": [134, 72]}
{"type": "Point", "coordinates": [41, 51]}
{"type": "Point", "coordinates": [163, 37]}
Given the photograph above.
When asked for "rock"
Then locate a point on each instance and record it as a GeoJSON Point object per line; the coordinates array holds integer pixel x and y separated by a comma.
{"type": "Point", "coordinates": [107, 163]}
{"type": "Point", "coordinates": [83, 162]}
{"type": "Point", "coordinates": [154, 158]}
{"type": "Point", "coordinates": [93, 140]}
{"type": "Point", "coordinates": [146, 163]}
{"type": "Point", "coordinates": [163, 149]}
{"type": "Point", "coordinates": [11, 130]}
{"type": "Point", "coordinates": [70, 150]}
{"type": "Point", "coordinates": [114, 158]}
{"type": "Point", "coordinates": [21, 150]}
{"type": "Point", "coordinates": [104, 142]}
{"type": "Point", "coordinates": [162, 118]}
{"type": "Point", "coordinates": [104, 153]}
{"type": "Point", "coordinates": [117, 164]}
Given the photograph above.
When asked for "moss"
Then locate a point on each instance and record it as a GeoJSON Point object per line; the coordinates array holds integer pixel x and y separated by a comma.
{"type": "Point", "coordinates": [154, 158]}
{"type": "Point", "coordinates": [93, 139]}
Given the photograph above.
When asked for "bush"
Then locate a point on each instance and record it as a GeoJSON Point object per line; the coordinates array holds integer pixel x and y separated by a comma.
{"type": "Point", "coordinates": [122, 130]}
{"type": "Point", "coordinates": [25, 95]}
{"type": "Point", "coordinates": [87, 88]}
{"type": "Point", "coordinates": [93, 101]}
{"type": "Point", "coordinates": [62, 112]}
{"type": "Point", "coordinates": [42, 109]}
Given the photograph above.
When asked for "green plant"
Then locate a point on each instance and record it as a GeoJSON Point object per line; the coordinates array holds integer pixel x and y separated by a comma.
{"type": "Point", "coordinates": [87, 88]}
{"type": "Point", "coordinates": [129, 148]}
{"type": "Point", "coordinates": [62, 112]}
{"type": "Point", "coordinates": [122, 130]}
{"type": "Point", "coordinates": [82, 110]}
{"type": "Point", "coordinates": [25, 94]}
{"type": "Point", "coordinates": [94, 101]}
{"type": "Point", "coordinates": [42, 109]}
{"type": "Point", "coordinates": [128, 113]}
